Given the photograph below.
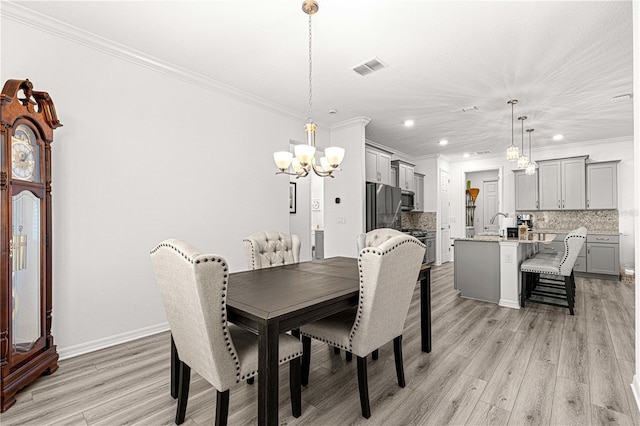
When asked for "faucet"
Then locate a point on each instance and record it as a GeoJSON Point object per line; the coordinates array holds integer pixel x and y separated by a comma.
{"type": "Point", "coordinates": [493, 219]}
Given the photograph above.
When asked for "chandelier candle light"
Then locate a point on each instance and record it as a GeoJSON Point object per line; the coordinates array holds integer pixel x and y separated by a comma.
{"type": "Point", "coordinates": [531, 167]}
{"type": "Point", "coordinates": [305, 154]}
{"type": "Point", "coordinates": [523, 161]}
{"type": "Point", "coordinates": [512, 151]}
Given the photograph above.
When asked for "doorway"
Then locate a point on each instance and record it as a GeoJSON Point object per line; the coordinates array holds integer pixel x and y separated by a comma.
{"type": "Point", "coordinates": [444, 215]}
{"type": "Point", "coordinates": [487, 203]}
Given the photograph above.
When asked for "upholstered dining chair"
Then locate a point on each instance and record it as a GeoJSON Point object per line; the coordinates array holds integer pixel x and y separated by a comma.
{"type": "Point", "coordinates": [388, 276]}
{"type": "Point", "coordinates": [271, 248]}
{"type": "Point", "coordinates": [549, 277]}
{"type": "Point", "coordinates": [193, 286]}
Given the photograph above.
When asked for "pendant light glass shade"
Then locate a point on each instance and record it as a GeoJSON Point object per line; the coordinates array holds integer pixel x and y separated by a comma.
{"type": "Point", "coordinates": [305, 154]}
{"type": "Point", "coordinates": [512, 151]}
{"type": "Point", "coordinates": [531, 166]}
{"type": "Point", "coordinates": [522, 159]}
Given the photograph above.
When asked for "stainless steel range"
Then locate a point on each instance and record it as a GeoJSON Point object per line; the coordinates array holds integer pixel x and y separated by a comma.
{"type": "Point", "coordinates": [428, 238]}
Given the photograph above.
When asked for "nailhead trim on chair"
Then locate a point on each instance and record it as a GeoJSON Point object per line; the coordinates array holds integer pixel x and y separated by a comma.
{"type": "Point", "coordinates": [525, 268]}
{"type": "Point", "coordinates": [225, 328]}
{"type": "Point", "coordinates": [253, 249]}
{"type": "Point", "coordinates": [280, 361]}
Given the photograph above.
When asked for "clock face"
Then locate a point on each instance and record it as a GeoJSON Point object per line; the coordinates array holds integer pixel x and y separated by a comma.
{"type": "Point", "coordinates": [24, 153]}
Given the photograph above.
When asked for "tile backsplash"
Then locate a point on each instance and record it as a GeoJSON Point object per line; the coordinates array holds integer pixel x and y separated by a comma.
{"type": "Point", "coordinates": [425, 220]}
{"type": "Point", "coordinates": [596, 221]}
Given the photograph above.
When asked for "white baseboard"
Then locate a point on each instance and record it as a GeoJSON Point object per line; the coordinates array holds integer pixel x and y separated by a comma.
{"type": "Point", "coordinates": [95, 345]}
{"type": "Point", "coordinates": [509, 304]}
{"type": "Point", "coordinates": [635, 388]}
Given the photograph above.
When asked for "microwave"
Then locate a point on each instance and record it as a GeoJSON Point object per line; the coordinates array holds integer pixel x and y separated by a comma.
{"type": "Point", "coordinates": [408, 201]}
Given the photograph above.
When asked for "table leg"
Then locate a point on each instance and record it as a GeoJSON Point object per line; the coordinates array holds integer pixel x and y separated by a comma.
{"type": "Point", "coordinates": [425, 309]}
{"type": "Point", "coordinates": [268, 374]}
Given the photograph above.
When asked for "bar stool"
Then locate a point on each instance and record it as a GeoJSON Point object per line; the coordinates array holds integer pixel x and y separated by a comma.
{"type": "Point", "coordinates": [546, 278]}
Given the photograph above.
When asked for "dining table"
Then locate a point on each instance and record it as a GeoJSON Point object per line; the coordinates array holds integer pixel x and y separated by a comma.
{"type": "Point", "coordinates": [278, 299]}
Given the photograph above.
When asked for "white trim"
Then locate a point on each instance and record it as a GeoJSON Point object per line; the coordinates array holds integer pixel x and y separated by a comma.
{"type": "Point", "coordinates": [106, 342]}
{"type": "Point", "coordinates": [635, 388]}
{"type": "Point", "coordinates": [356, 120]}
{"type": "Point", "coordinates": [508, 304]}
{"type": "Point", "coordinates": [23, 15]}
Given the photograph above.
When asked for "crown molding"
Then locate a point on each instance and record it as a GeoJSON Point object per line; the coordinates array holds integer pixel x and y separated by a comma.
{"type": "Point", "coordinates": [29, 17]}
{"type": "Point", "coordinates": [356, 120]}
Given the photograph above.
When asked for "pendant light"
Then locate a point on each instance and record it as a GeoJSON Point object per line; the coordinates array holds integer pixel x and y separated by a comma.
{"type": "Point", "coordinates": [305, 154]}
{"type": "Point", "coordinates": [522, 160]}
{"type": "Point", "coordinates": [531, 167]}
{"type": "Point", "coordinates": [512, 151]}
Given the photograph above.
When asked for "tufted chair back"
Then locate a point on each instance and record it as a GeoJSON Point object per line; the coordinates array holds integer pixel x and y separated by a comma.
{"type": "Point", "coordinates": [193, 288]}
{"type": "Point", "coordinates": [572, 245]}
{"type": "Point", "coordinates": [388, 276]}
{"type": "Point", "coordinates": [271, 248]}
{"type": "Point", "coordinates": [376, 237]}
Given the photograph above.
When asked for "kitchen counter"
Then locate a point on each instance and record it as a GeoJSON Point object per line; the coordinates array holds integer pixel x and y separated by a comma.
{"type": "Point", "coordinates": [566, 231]}
{"type": "Point", "coordinates": [538, 237]}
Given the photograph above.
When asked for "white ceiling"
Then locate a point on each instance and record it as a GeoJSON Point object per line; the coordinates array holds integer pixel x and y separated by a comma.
{"type": "Point", "coordinates": [563, 61]}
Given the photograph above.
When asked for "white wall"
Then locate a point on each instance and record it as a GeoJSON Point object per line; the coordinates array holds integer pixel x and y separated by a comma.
{"type": "Point", "coordinates": [349, 186]}
{"type": "Point", "coordinates": [635, 385]}
{"type": "Point", "coordinates": [143, 157]}
{"type": "Point", "coordinates": [619, 149]}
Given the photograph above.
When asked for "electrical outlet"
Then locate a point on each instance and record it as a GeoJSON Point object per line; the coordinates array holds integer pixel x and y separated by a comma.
{"type": "Point", "coordinates": [341, 220]}
{"type": "Point", "coordinates": [508, 258]}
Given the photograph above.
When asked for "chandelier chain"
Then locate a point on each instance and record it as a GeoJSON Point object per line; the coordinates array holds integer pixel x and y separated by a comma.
{"type": "Point", "coordinates": [310, 69]}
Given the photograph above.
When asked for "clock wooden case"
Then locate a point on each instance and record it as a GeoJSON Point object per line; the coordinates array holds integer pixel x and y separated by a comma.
{"type": "Point", "coordinates": [27, 121]}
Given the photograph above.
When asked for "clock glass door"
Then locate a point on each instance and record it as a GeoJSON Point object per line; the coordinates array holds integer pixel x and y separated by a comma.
{"type": "Point", "coordinates": [26, 268]}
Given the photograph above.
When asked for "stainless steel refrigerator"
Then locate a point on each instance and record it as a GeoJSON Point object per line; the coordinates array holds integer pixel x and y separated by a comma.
{"type": "Point", "coordinates": [384, 206]}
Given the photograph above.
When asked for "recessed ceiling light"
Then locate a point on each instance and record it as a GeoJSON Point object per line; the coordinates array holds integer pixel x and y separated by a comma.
{"type": "Point", "coordinates": [409, 123]}
{"type": "Point", "coordinates": [443, 142]}
{"type": "Point", "coordinates": [558, 137]}
{"type": "Point", "coordinates": [466, 155]}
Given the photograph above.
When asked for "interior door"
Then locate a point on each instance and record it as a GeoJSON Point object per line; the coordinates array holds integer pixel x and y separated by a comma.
{"type": "Point", "coordinates": [445, 203]}
{"type": "Point", "coordinates": [489, 205]}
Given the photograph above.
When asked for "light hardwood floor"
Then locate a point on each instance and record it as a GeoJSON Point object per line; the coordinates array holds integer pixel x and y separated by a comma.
{"type": "Point", "coordinates": [489, 365]}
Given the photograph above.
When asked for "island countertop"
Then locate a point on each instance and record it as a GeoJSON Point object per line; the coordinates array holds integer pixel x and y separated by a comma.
{"type": "Point", "coordinates": [537, 237]}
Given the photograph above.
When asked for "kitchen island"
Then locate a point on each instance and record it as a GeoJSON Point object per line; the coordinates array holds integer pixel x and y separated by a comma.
{"type": "Point", "coordinates": [487, 268]}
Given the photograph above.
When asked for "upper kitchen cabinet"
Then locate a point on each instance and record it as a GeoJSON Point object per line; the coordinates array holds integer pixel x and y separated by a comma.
{"type": "Point", "coordinates": [562, 184]}
{"type": "Point", "coordinates": [405, 175]}
{"type": "Point", "coordinates": [377, 166]}
{"type": "Point", "coordinates": [526, 191]}
{"type": "Point", "coordinates": [602, 185]}
{"type": "Point", "coordinates": [419, 189]}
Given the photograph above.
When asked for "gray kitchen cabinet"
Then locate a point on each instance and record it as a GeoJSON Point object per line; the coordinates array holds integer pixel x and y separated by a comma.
{"type": "Point", "coordinates": [377, 166]}
{"type": "Point", "coordinates": [430, 242]}
{"type": "Point", "coordinates": [419, 192]}
{"type": "Point", "coordinates": [562, 184]}
{"type": "Point", "coordinates": [526, 191]}
{"type": "Point", "coordinates": [603, 254]}
{"type": "Point", "coordinates": [405, 175]}
{"type": "Point", "coordinates": [394, 176]}
{"type": "Point", "coordinates": [602, 185]}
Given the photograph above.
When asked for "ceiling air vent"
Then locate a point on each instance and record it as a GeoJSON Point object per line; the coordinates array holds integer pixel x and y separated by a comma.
{"type": "Point", "coordinates": [373, 64]}
{"type": "Point", "coordinates": [485, 152]}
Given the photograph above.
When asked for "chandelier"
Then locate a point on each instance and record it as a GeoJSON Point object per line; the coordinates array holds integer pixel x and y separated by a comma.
{"type": "Point", "coordinates": [523, 161]}
{"type": "Point", "coordinates": [531, 167]}
{"type": "Point", "coordinates": [305, 154]}
{"type": "Point", "coordinates": [512, 151]}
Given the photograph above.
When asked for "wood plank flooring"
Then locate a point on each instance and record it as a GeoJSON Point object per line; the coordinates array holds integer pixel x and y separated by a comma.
{"type": "Point", "coordinates": [489, 366]}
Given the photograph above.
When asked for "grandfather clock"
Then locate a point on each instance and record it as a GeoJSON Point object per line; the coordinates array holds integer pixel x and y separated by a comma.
{"type": "Point", "coordinates": [27, 120]}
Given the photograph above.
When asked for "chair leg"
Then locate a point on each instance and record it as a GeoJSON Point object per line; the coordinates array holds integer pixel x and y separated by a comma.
{"type": "Point", "coordinates": [306, 359]}
{"type": "Point", "coordinates": [348, 356]}
{"type": "Point", "coordinates": [294, 387]}
{"type": "Point", "coordinates": [175, 369]}
{"type": "Point", "coordinates": [336, 351]}
{"type": "Point", "coordinates": [397, 352]}
{"type": "Point", "coordinates": [183, 392]}
{"type": "Point", "coordinates": [363, 385]}
{"type": "Point", "coordinates": [375, 354]}
{"type": "Point", "coordinates": [568, 286]}
{"type": "Point", "coordinates": [251, 380]}
{"type": "Point", "coordinates": [222, 408]}
{"type": "Point", "coordinates": [523, 290]}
